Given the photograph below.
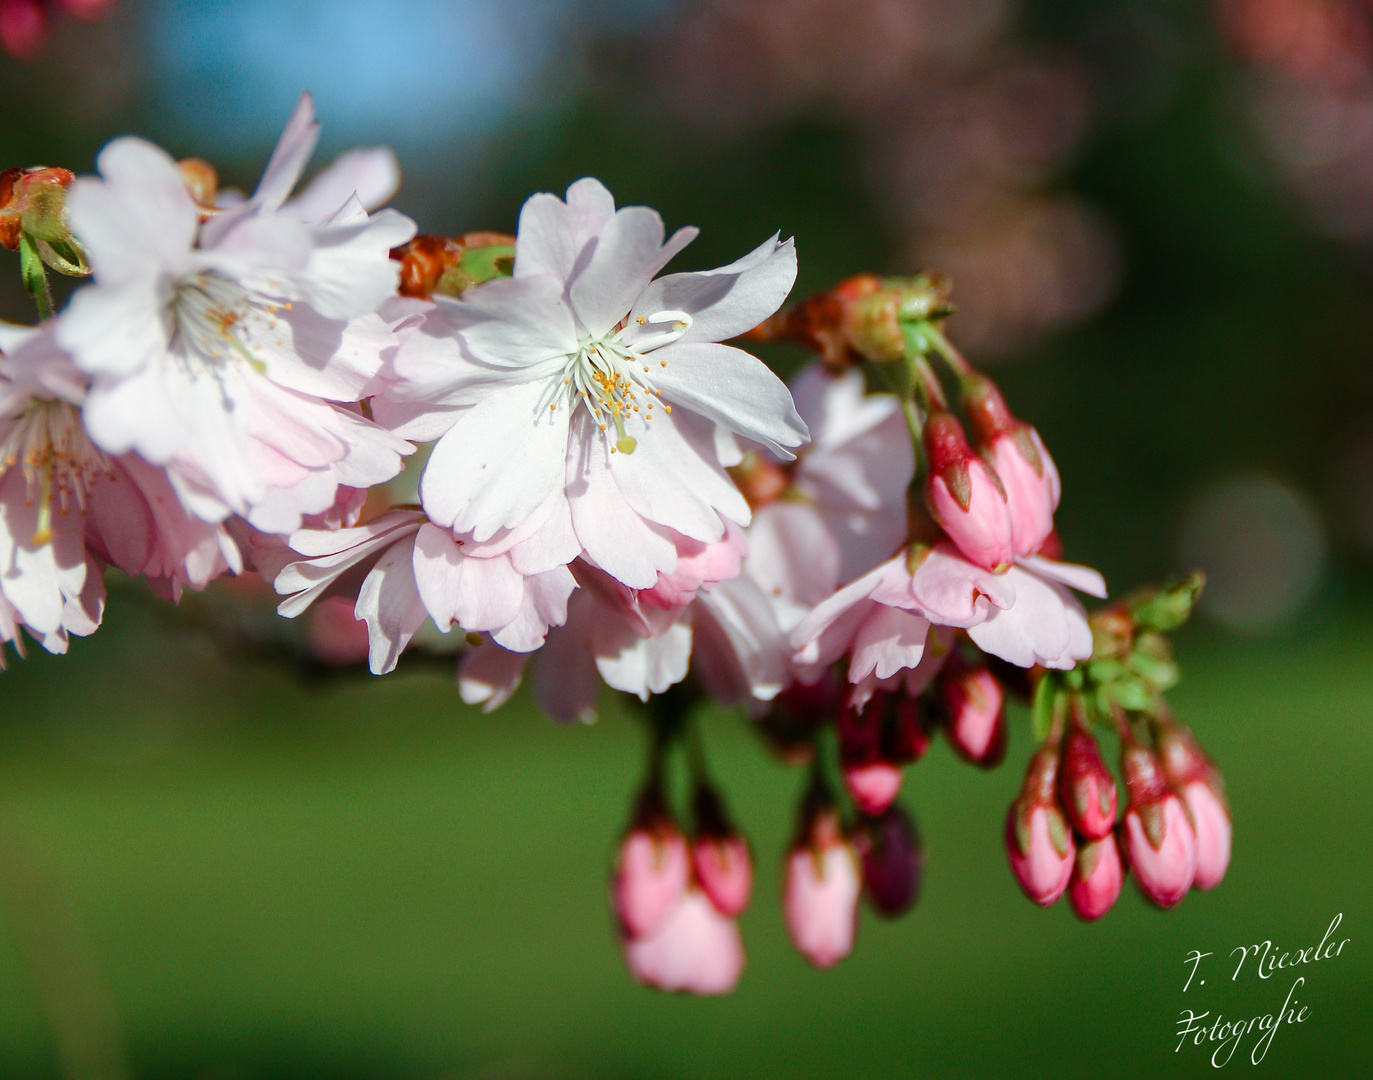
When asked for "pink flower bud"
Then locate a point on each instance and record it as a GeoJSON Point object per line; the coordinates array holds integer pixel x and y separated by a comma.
{"type": "Point", "coordinates": [965, 495]}
{"type": "Point", "coordinates": [1096, 880]}
{"type": "Point", "coordinates": [695, 949]}
{"type": "Point", "coordinates": [1086, 787]}
{"type": "Point", "coordinates": [1193, 774]}
{"type": "Point", "coordinates": [820, 897]}
{"type": "Point", "coordinates": [873, 787]}
{"type": "Point", "coordinates": [1158, 837]}
{"type": "Point", "coordinates": [1023, 465]}
{"type": "Point", "coordinates": [651, 874]}
{"type": "Point", "coordinates": [1038, 841]}
{"type": "Point", "coordinates": [698, 564]}
{"type": "Point", "coordinates": [893, 861]}
{"type": "Point", "coordinates": [974, 718]}
{"type": "Point", "coordinates": [1212, 823]}
{"type": "Point", "coordinates": [23, 28]}
{"type": "Point", "coordinates": [724, 870]}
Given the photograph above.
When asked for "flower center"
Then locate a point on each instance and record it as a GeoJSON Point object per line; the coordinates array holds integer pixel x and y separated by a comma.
{"type": "Point", "coordinates": [612, 378]}
{"type": "Point", "coordinates": [60, 464]}
{"type": "Point", "coordinates": [216, 321]}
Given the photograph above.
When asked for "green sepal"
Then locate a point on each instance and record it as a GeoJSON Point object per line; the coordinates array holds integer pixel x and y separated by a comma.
{"type": "Point", "coordinates": [1044, 705]}
{"type": "Point", "coordinates": [1058, 830]}
{"type": "Point", "coordinates": [1169, 607]}
{"type": "Point", "coordinates": [64, 256]}
{"type": "Point", "coordinates": [1159, 672]}
{"type": "Point", "coordinates": [34, 275]}
{"type": "Point", "coordinates": [476, 265]}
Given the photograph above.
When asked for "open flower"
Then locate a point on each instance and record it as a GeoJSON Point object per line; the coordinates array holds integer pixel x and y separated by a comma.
{"type": "Point", "coordinates": [68, 509]}
{"type": "Point", "coordinates": [585, 379]}
{"type": "Point", "coordinates": [227, 351]}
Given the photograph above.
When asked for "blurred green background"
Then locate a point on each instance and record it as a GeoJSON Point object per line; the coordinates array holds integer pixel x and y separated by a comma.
{"type": "Point", "coordinates": [1158, 217]}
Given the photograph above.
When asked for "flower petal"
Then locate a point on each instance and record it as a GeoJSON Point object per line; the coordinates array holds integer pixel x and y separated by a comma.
{"type": "Point", "coordinates": [628, 252]}
{"type": "Point", "coordinates": [732, 388]}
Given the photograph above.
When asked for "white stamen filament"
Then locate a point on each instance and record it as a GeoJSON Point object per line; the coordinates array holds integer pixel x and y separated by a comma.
{"type": "Point", "coordinates": [216, 321]}
{"type": "Point", "coordinates": [60, 464]}
{"type": "Point", "coordinates": [608, 376]}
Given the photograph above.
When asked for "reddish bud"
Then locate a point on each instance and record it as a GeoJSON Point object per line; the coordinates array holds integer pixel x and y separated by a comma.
{"type": "Point", "coordinates": [201, 180]}
{"type": "Point", "coordinates": [1157, 835]}
{"type": "Point", "coordinates": [449, 265]}
{"type": "Point", "coordinates": [820, 897]}
{"type": "Point", "coordinates": [23, 28]}
{"type": "Point", "coordinates": [797, 713]}
{"type": "Point", "coordinates": [965, 496]}
{"type": "Point", "coordinates": [1097, 877]}
{"type": "Point", "coordinates": [1039, 844]}
{"type": "Point", "coordinates": [974, 717]}
{"type": "Point", "coordinates": [652, 867]}
{"type": "Point", "coordinates": [1086, 787]}
{"type": "Point", "coordinates": [893, 861]}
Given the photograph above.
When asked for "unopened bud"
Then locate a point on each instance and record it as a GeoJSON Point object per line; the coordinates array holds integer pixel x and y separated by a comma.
{"type": "Point", "coordinates": [1097, 877]}
{"type": "Point", "coordinates": [450, 266]}
{"type": "Point", "coordinates": [893, 861]}
{"type": "Point", "coordinates": [1039, 843]}
{"type": "Point", "coordinates": [974, 717]}
{"type": "Point", "coordinates": [201, 180]}
{"type": "Point", "coordinates": [820, 896]}
{"type": "Point", "coordinates": [1086, 787]}
{"type": "Point", "coordinates": [1157, 835]}
{"type": "Point", "coordinates": [33, 203]}
{"type": "Point", "coordinates": [965, 496]}
{"type": "Point", "coordinates": [720, 855]}
{"type": "Point", "coordinates": [1195, 777]}
{"type": "Point", "coordinates": [652, 868]}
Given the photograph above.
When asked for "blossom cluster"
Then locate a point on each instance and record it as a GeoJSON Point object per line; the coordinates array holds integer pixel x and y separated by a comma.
{"type": "Point", "coordinates": [610, 492]}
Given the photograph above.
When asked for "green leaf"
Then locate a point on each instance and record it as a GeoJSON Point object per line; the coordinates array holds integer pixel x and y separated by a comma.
{"type": "Point", "coordinates": [1042, 707]}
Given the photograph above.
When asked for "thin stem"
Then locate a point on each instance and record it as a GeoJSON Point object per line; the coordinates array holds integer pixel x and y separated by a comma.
{"type": "Point", "coordinates": [946, 350]}
{"type": "Point", "coordinates": [35, 275]}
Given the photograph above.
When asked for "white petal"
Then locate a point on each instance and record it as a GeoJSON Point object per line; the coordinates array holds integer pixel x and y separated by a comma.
{"type": "Point", "coordinates": [1082, 578]}
{"type": "Point", "coordinates": [628, 252]}
{"type": "Point", "coordinates": [489, 675]}
{"type": "Point", "coordinates": [676, 481]}
{"type": "Point", "coordinates": [498, 463]}
{"type": "Point", "coordinates": [371, 173]}
{"type": "Point", "coordinates": [732, 388]}
{"type": "Point", "coordinates": [514, 322]}
{"type": "Point", "coordinates": [139, 219]}
{"type": "Point", "coordinates": [725, 302]}
{"type": "Point", "coordinates": [115, 330]}
{"type": "Point", "coordinates": [292, 151]}
{"type": "Point", "coordinates": [649, 665]}
{"type": "Point", "coordinates": [389, 603]}
{"type": "Point", "coordinates": [888, 641]}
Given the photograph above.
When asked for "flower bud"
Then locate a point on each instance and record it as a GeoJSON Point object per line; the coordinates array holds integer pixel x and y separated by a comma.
{"type": "Point", "coordinates": [820, 896]}
{"type": "Point", "coordinates": [893, 861]}
{"type": "Point", "coordinates": [965, 496]}
{"type": "Point", "coordinates": [1157, 835]}
{"type": "Point", "coordinates": [1097, 877]}
{"type": "Point", "coordinates": [450, 265]}
{"type": "Point", "coordinates": [974, 718]}
{"type": "Point", "coordinates": [797, 713]}
{"type": "Point", "coordinates": [33, 204]}
{"type": "Point", "coordinates": [720, 855]}
{"type": "Point", "coordinates": [201, 180]}
{"type": "Point", "coordinates": [873, 787]}
{"type": "Point", "coordinates": [652, 868]}
{"type": "Point", "coordinates": [694, 949]}
{"type": "Point", "coordinates": [1196, 778]}
{"type": "Point", "coordinates": [872, 780]}
{"type": "Point", "coordinates": [1027, 472]}
{"type": "Point", "coordinates": [1086, 788]}
{"type": "Point", "coordinates": [1038, 842]}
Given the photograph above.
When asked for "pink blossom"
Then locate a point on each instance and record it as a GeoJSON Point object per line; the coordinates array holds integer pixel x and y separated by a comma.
{"type": "Point", "coordinates": [1097, 877]}
{"type": "Point", "coordinates": [651, 875]}
{"type": "Point", "coordinates": [232, 352]}
{"type": "Point", "coordinates": [584, 379]}
{"type": "Point", "coordinates": [1032, 493]}
{"type": "Point", "coordinates": [698, 564]}
{"type": "Point", "coordinates": [695, 949]}
{"type": "Point", "coordinates": [68, 509]}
